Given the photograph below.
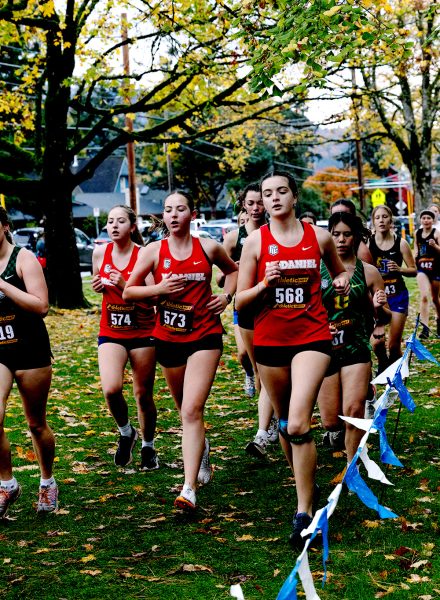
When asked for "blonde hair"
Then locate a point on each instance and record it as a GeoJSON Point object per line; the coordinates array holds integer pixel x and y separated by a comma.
{"type": "Point", "coordinates": [385, 208]}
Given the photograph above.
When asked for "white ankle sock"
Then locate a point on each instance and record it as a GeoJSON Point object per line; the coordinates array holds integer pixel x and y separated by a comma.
{"type": "Point", "coordinates": [147, 444]}
{"type": "Point", "coordinates": [9, 484]}
{"type": "Point", "coordinates": [262, 433]}
{"type": "Point", "coordinates": [47, 482]}
{"type": "Point", "coordinates": [126, 430]}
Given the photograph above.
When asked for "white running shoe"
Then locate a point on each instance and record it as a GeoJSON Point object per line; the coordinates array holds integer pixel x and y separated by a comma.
{"type": "Point", "coordinates": [369, 403]}
{"type": "Point", "coordinates": [249, 385]}
{"type": "Point", "coordinates": [8, 497]}
{"type": "Point", "coordinates": [257, 447]}
{"type": "Point", "coordinates": [186, 499]}
{"type": "Point", "coordinates": [272, 432]}
{"type": "Point", "coordinates": [47, 498]}
{"type": "Point", "coordinates": [205, 473]}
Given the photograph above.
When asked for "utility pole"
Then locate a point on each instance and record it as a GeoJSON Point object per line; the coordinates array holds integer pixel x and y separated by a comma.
{"type": "Point", "coordinates": [129, 121]}
{"type": "Point", "coordinates": [169, 168]}
{"type": "Point", "coordinates": [360, 173]}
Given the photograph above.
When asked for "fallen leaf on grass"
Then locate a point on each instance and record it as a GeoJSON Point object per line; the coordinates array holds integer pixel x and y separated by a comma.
{"type": "Point", "coordinates": [338, 478]}
{"type": "Point", "coordinates": [92, 572]}
{"type": "Point", "coordinates": [190, 569]}
{"type": "Point", "coordinates": [390, 590]}
{"type": "Point", "coordinates": [28, 455]}
{"type": "Point", "coordinates": [428, 548]}
{"type": "Point", "coordinates": [402, 550]}
{"type": "Point", "coordinates": [245, 538]}
{"type": "Point", "coordinates": [276, 572]}
{"type": "Point", "coordinates": [88, 558]}
{"type": "Point", "coordinates": [414, 578]}
{"type": "Point", "coordinates": [157, 519]}
{"type": "Point", "coordinates": [6, 561]}
{"type": "Point", "coordinates": [27, 468]}
{"type": "Point", "coordinates": [128, 575]}
{"type": "Point", "coordinates": [371, 524]}
{"type": "Point", "coordinates": [419, 563]}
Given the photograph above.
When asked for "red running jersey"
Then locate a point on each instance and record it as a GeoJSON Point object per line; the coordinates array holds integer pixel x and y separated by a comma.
{"type": "Point", "coordinates": [119, 318]}
{"type": "Point", "coordinates": [292, 312]}
{"type": "Point", "coordinates": [183, 317]}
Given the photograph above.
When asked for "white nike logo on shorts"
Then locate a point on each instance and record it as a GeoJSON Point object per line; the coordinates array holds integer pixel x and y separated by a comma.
{"type": "Point", "coordinates": [197, 262]}
{"type": "Point", "coordinates": [304, 249]}
{"type": "Point", "coordinates": [9, 277]}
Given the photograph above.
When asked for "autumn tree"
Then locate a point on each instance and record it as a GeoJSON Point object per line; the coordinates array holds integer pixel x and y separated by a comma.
{"type": "Point", "coordinates": [185, 69]}
{"type": "Point", "coordinates": [231, 159]}
{"type": "Point", "coordinates": [393, 48]}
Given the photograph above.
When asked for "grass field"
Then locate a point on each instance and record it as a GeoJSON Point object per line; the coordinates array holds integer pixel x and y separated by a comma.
{"type": "Point", "coordinates": [117, 535]}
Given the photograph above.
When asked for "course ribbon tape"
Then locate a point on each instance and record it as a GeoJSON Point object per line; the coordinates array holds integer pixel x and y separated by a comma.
{"type": "Point", "coordinates": [420, 351]}
{"type": "Point", "coordinates": [356, 484]}
{"type": "Point", "coordinates": [237, 592]}
{"type": "Point", "coordinates": [404, 395]}
{"type": "Point", "coordinates": [373, 469]}
{"type": "Point", "coordinates": [387, 455]}
{"type": "Point", "coordinates": [392, 377]}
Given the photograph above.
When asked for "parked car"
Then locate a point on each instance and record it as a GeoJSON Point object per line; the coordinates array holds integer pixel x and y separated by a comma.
{"type": "Point", "coordinates": [196, 223]}
{"type": "Point", "coordinates": [218, 230]}
{"type": "Point", "coordinates": [103, 237]}
{"type": "Point", "coordinates": [27, 237]}
{"type": "Point", "coordinates": [201, 234]}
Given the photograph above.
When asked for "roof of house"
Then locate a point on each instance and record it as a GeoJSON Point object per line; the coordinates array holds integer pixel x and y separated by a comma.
{"type": "Point", "coordinates": [151, 203]}
{"type": "Point", "coordinates": [106, 176]}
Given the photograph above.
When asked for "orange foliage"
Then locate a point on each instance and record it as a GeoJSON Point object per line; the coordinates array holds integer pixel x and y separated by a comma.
{"type": "Point", "coordinates": [333, 183]}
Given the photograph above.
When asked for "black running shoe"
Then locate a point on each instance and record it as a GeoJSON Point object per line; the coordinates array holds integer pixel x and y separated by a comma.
{"type": "Point", "coordinates": [149, 460]}
{"type": "Point", "coordinates": [124, 453]}
{"type": "Point", "coordinates": [424, 334]}
{"type": "Point", "coordinates": [300, 521]}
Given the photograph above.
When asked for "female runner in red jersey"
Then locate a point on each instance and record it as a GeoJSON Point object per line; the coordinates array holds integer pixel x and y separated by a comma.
{"type": "Point", "coordinates": [188, 329]}
{"type": "Point", "coordinates": [280, 268]}
{"type": "Point", "coordinates": [125, 334]}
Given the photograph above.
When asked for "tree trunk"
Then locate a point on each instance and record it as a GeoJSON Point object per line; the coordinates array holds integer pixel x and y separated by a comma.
{"type": "Point", "coordinates": [64, 276]}
{"type": "Point", "coordinates": [421, 176]}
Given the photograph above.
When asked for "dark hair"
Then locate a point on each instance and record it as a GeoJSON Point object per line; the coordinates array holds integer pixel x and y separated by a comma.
{"type": "Point", "coordinates": [358, 230]}
{"type": "Point", "coordinates": [344, 202]}
{"type": "Point", "coordinates": [275, 173]}
{"type": "Point", "coordinates": [241, 195]}
{"type": "Point", "coordinates": [186, 195]}
{"type": "Point", "coordinates": [4, 220]}
{"type": "Point", "coordinates": [135, 235]}
{"type": "Point", "coordinates": [310, 215]}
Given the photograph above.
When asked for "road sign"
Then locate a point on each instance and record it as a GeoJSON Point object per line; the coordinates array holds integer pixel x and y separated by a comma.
{"type": "Point", "coordinates": [377, 197]}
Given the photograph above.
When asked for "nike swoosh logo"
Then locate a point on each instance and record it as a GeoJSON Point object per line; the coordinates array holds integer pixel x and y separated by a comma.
{"type": "Point", "coordinates": [9, 277]}
{"type": "Point", "coordinates": [392, 253]}
{"type": "Point", "coordinates": [304, 249]}
{"type": "Point", "coordinates": [197, 262]}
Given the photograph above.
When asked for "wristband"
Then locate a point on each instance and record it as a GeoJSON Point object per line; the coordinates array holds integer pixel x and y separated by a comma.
{"type": "Point", "coordinates": [228, 298]}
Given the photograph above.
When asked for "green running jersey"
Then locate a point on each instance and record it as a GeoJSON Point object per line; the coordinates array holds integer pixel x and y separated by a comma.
{"type": "Point", "coordinates": [350, 315]}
